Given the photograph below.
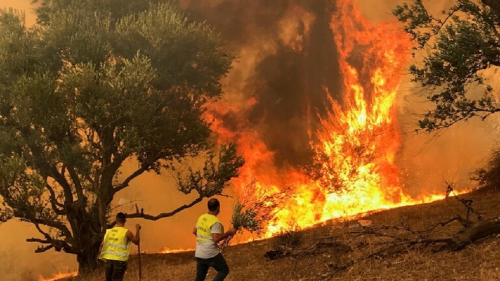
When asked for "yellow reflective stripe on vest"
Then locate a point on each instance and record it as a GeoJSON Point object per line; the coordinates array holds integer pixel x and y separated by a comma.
{"type": "Point", "coordinates": [205, 222]}
{"type": "Point", "coordinates": [114, 254]}
{"type": "Point", "coordinates": [115, 245]}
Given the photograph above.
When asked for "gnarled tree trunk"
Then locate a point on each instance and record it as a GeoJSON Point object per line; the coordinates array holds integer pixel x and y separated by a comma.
{"type": "Point", "coordinates": [87, 259]}
{"type": "Point", "coordinates": [87, 239]}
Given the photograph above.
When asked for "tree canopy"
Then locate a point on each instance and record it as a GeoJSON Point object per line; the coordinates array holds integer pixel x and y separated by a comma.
{"type": "Point", "coordinates": [460, 45]}
{"type": "Point", "coordinates": [94, 84]}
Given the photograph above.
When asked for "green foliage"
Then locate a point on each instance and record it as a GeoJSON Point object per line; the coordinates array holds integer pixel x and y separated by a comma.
{"type": "Point", "coordinates": [215, 175]}
{"type": "Point", "coordinates": [459, 45]}
{"type": "Point", "coordinates": [96, 83]}
{"type": "Point", "coordinates": [244, 218]}
{"type": "Point", "coordinates": [191, 67]}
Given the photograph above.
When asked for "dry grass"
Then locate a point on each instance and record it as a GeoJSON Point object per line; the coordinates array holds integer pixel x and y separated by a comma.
{"type": "Point", "coordinates": [477, 262]}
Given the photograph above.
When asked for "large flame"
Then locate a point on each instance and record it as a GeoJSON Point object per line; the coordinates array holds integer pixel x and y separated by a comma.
{"type": "Point", "coordinates": [356, 145]}
{"type": "Point", "coordinates": [360, 139]}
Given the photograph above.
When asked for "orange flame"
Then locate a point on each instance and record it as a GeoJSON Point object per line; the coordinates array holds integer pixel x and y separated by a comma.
{"type": "Point", "coordinates": [167, 250]}
{"type": "Point", "coordinates": [360, 142]}
{"type": "Point", "coordinates": [59, 276]}
{"type": "Point", "coordinates": [356, 144]}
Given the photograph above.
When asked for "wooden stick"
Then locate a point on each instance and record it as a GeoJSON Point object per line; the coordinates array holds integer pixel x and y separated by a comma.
{"type": "Point", "coordinates": [139, 257]}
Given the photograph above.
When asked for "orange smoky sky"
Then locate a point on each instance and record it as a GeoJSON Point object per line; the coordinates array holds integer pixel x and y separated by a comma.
{"type": "Point", "coordinates": [24, 6]}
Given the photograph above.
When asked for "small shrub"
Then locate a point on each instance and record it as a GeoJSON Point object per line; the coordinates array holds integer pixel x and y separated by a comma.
{"type": "Point", "coordinates": [288, 240]}
{"type": "Point", "coordinates": [245, 219]}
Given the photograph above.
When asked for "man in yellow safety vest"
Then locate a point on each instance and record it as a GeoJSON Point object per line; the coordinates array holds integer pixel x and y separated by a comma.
{"type": "Point", "coordinates": [115, 248]}
{"type": "Point", "coordinates": [209, 231]}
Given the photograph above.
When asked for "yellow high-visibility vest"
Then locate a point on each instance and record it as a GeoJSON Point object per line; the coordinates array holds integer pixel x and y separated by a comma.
{"type": "Point", "coordinates": [205, 222]}
{"type": "Point", "coordinates": [115, 245]}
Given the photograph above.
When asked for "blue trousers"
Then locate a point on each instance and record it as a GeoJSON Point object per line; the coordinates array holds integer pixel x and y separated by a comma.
{"type": "Point", "coordinates": [218, 263]}
{"type": "Point", "coordinates": [115, 270]}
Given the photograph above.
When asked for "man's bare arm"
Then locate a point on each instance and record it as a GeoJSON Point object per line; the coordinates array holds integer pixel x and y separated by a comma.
{"type": "Point", "coordinates": [219, 237]}
{"type": "Point", "coordinates": [134, 238]}
{"type": "Point", "coordinates": [102, 245]}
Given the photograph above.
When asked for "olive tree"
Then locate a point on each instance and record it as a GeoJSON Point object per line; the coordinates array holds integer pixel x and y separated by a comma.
{"type": "Point", "coordinates": [93, 85]}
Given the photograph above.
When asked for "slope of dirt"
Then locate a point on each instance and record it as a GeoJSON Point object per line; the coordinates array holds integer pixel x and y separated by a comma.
{"type": "Point", "coordinates": [479, 261]}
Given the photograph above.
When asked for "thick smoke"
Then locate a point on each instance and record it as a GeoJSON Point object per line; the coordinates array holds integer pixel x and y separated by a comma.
{"type": "Point", "coordinates": [294, 60]}
{"type": "Point", "coordinates": [286, 71]}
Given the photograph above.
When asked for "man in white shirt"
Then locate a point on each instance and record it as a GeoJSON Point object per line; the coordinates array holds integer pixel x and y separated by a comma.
{"type": "Point", "coordinates": [209, 231]}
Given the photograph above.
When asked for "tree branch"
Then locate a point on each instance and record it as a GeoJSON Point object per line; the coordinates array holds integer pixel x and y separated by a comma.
{"type": "Point", "coordinates": [55, 224]}
{"type": "Point", "coordinates": [44, 167]}
{"type": "Point", "coordinates": [54, 243]}
{"type": "Point", "coordinates": [61, 180]}
{"type": "Point", "coordinates": [53, 201]}
{"type": "Point", "coordinates": [141, 214]}
{"type": "Point", "coordinates": [76, 182]}
{"type": "Point", "coordinates": [45, 234]}
{"type": "Point", "coordinates": [458, 218]}
{"type": "Point", "coordinates": [443, 22]}
{"type": "Point", "coordinates": [37, 240]}
{"type": "Point", "coordinates": [43, 248]}
{"type": "Point", "coordinates": [138, 172]}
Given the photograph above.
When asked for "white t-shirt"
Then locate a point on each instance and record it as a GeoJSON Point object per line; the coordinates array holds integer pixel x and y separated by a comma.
{"type": "Point", "coordinates": [208, 249]}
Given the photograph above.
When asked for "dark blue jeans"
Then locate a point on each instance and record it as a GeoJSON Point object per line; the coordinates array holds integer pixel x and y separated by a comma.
{"type": "Point", "coordinates": [115, 270]}
{"type": "Point", "coordinates": [218, 263]}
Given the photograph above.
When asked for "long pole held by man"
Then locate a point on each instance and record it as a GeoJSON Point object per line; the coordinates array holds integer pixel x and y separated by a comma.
{"type": "Point", "coordinates": [139, 256]}
{"type": "Point", "coordinates": [115, 248]}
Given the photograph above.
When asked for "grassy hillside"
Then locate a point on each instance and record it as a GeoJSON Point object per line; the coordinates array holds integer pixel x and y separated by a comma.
{"type": "Point", "coordinates": [316, 259]}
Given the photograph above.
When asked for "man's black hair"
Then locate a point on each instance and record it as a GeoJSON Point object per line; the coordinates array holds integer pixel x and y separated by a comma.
{"type": "Point", "coordinates": [213, 204]}
{"type": "Point", "coordinates": [120, 217]}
